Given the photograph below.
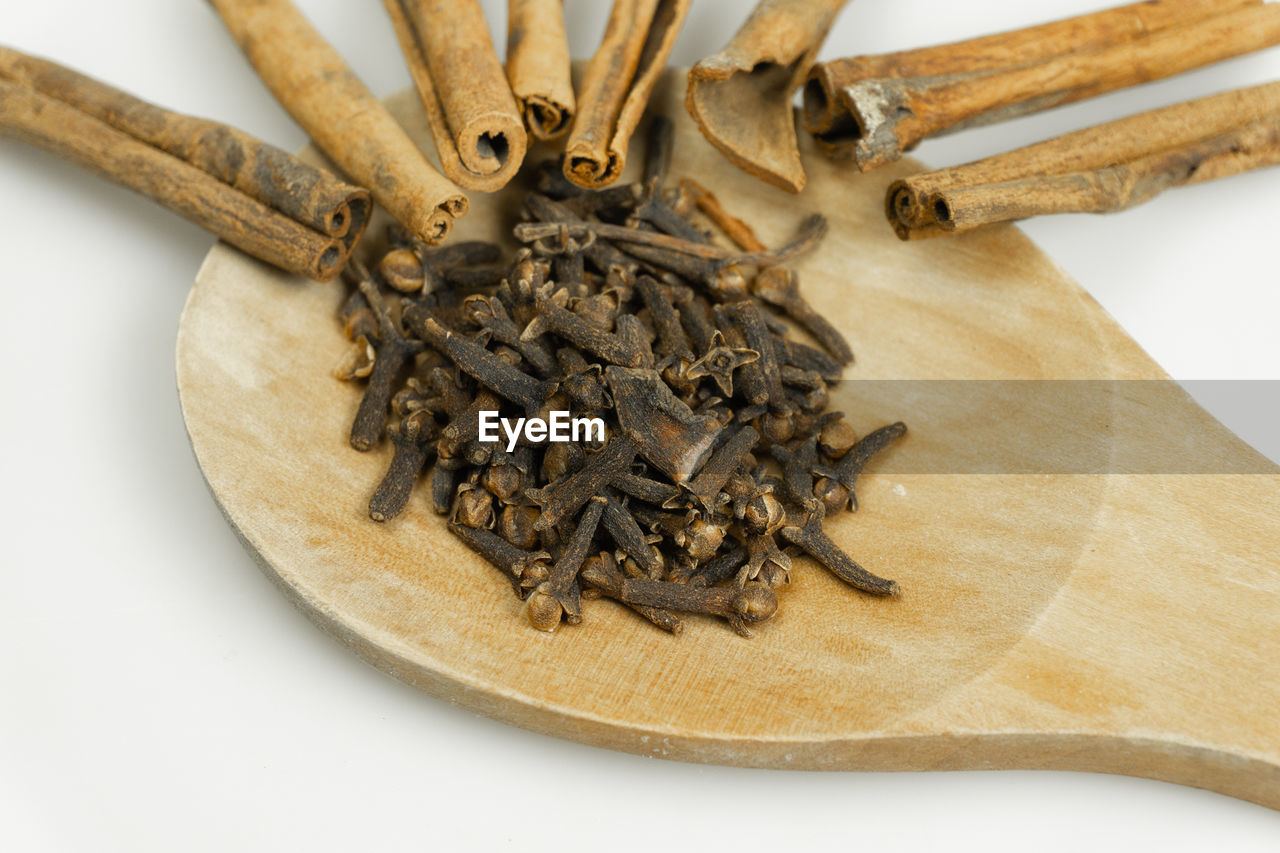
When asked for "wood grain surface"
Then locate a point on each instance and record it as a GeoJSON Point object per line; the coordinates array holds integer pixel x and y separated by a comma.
{"type": "Point", "coordinates": [1115, 623]}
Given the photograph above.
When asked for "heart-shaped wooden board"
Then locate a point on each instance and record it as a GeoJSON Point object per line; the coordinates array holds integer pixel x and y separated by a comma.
{"type": "Point", "coordinates": [1123, 623]}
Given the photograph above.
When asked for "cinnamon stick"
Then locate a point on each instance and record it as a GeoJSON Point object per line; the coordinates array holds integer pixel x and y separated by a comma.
{"type": "Point", "coordinates": [741, 96]}
{"type": "Point", "coordinates": [1097, 170]}
{"type": "Point", "coordinates": [474, 119]}
{"type": "Point", "coordinates": [826, 112]}
{"type": "Point", "coordinates": [313, 83]}
{"type": "Point", "coordinates": [314, 197]}
{"type": "Point", "coordinates": [244, 222]}
{"type": "Point", "coordinates": [872, 108]}
{"type": "Point", "coordinates": [617, 85]}
{"type": "Point", "coordinates": [538, 66]}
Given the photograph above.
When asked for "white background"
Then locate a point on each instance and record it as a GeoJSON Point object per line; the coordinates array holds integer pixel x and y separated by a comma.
{"type": "Point", "coordinates": [157, 693]}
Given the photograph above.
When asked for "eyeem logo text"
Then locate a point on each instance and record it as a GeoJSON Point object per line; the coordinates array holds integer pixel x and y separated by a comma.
{"type": "Point", "coordinates": [559, 427]}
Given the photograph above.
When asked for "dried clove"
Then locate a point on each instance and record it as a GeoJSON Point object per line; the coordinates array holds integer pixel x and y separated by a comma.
{"type": "Point", "coordinates": [518, 525]}
{"type": "Point", "coordinates": [393, 352]}
{"type": "Point", "coordinates": [758, 338]}
{"type": "Point", "coordinates": [558, 596]}
{"type": "Point", "coordinates": [628, 536]}
{"type": "Point", "coordinates": [481, 364]}
{"type": "Point", "coordinates": [554, 317]}
{"type": "Point", "coordinates": [850, 466]}
{"type": "Point", "coordinates": [716, 472]}
{"type": "Point", "coordinates": [567, 494]}
{"type": "Point", "coordinates": [665, 431]}
{"type": "Point", "coordinates": [781, 287]}
{"type": "Point", "coordinates": [751, 604]}
{"type": "Point", "coordinates": [602, 576]}
{"type": "Point", "coordinates": [412, 450]}
{"type": "Point", "coordinates": [752, 385]}
{"type": "Point", "coordinates": [715, 462]}
{"type": "Point", "coordinates": [521, 567]}
{"type": "Point", "coordinates": [815, 542]}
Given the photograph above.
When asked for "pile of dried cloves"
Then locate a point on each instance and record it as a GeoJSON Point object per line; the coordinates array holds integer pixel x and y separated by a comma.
{"type": "Point", "coordinates": [717, 462]}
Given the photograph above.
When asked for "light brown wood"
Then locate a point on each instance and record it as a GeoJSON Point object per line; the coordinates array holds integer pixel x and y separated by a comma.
{"type": "Point", "coordinates": [1124, 624]}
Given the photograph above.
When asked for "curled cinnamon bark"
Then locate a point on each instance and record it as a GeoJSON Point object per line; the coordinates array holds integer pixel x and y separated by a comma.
{"type": "Point", "coordinates": [473, 115]}
{"type": "Point", "coordinates": [871, 109]}
{"type": "Point", "coordinates": [741, 96]}
{"type": "Point", "coordinates": [313, 83]}
{"type": "Point", "coordinates": [313, 197]}
{"type": "Point", "coordinates": [248, 224]}
{"type": "Point", "coordinates": [826, 113]}
{"type": "Point", "coordinates": [1097, 170]}
{"type": "Point", "coordinates": [617, 85]}
{"type": "Point", "coordinates": [538, 66]}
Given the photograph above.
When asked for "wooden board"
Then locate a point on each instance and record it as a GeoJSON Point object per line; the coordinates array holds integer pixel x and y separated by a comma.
{"type": "Point", "coordinates": [1118, 623]}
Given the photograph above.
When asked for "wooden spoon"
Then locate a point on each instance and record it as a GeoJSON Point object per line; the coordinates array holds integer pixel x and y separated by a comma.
{"type": "Point", "coordinates": [1116, 623]}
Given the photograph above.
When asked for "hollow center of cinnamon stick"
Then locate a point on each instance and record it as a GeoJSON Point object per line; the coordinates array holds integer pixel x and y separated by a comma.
{"type": "Point", "coordinates": [329, 259]}
{"type": "Point", "coordinates": [493, 146]}
{"type": "Point", "coordinates": [902, 203]}
{"type": "Point", "coordinates": [843, 125]}
{"type": "Point", "coordinates": [815, 102]}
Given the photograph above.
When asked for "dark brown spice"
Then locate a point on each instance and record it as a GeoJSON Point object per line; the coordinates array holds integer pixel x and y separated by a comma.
{"type": "Point", "coordinates": [718, 461]}
{"type": "Point", "coordinates": [521, 567]}
{"type": "Point", "coordinates": [759, 339]}
{"type": "Point", "coordinates": [603, 577]}
{"type": "Point", "coordinates": [752, 385]}
{"type": "Point", "coordinates": [393, 352]}
{"type": "Point", "coordinates": [716, 472]}
{"type": "Point", "coordinates": [412, 450]}
{"type": "Point", "coordinates": [815, 542]}
{"type": "Point", "coordinates": [559, 595]}
{"type": "Point", "coordinates": [628, 536]}
{"type": "Point", "coordinates": [554, 317]}
{"type": "Point", "coordinates": [851, 465]}
{"type": "Point", "coordinates": [567, 494]}
{"type": "Point", "coordinates": [781, 288]}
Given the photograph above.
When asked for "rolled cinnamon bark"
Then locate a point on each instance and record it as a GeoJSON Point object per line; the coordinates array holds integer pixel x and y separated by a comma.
{"type": "Point", "coordinates": [244, 222]}
{"type": "Point", "coordinates": [314, 197]}
{"type": "Point", "coordinates": [1100, 169]}
{"type": "Point", "coordinates": [313, 83]}
{"type": "Point", "coordinates": [741, 96]}
{"type": "Point", "coordinates": [474, 119]}
{"type": "Point", "coordinates": [830, 96]}
{"type": "Point", "coordinates": [617, 85]}
{"type": "Point", "coordinates": [538, 66]}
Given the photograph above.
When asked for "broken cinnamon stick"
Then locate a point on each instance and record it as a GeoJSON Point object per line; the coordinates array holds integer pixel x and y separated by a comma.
{"type": "Point", "coordinates": [244, 222]}
{"type": "Point", "coordinates": [741, 96]}
{"type": "Point", "coordinates": [314, 197]}
{"type": "Point", "coordinates": [538, 66]}
{"type": "Point", "coordinates": [474, 119]}
{"type": "Point", "coordinates": [313, 83]}
{"type": "Point", "coordinates": [1097, 170]}
{"type": "Point", "coordinates": [616, 87]}
{"type": "Point", "coordinates": [871, 109]}
{"type": "Point", "coordinates": [826, 111]}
